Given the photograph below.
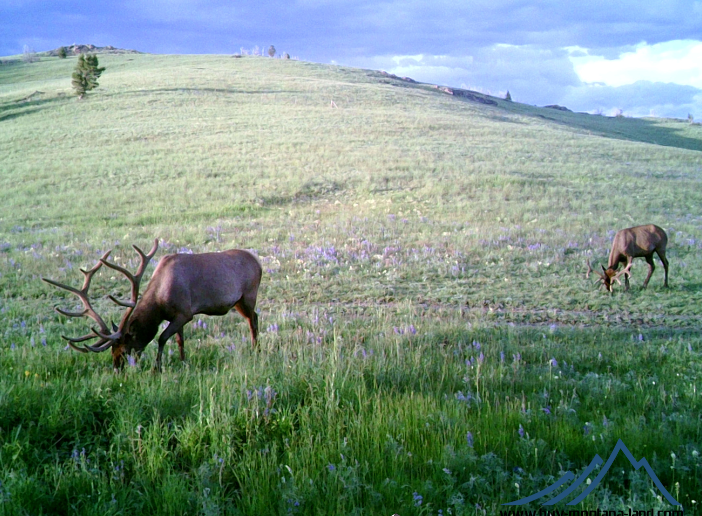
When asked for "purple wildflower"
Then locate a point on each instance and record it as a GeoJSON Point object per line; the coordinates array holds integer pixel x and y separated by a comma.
{"type": "Point", "coordinates": [553, 362]}
{"type": "Point", "coordinates": [418, 499]}
{"type": "Point", "coordinates": [521, 431]}
{"type": "Point", "coordinates": [469, 439]}
{"type": "Point", "coordinates": [547, 410]}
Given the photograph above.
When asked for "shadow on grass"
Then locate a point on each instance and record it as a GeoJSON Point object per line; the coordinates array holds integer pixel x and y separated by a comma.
{"type": "Point", "coordinates": [623, 128]}
{"type": "Point", "coordinates": [15, 109]}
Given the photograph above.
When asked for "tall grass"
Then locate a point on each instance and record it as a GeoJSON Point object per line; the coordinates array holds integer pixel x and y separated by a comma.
{"type": "Point", "coordinates": [429, 341]}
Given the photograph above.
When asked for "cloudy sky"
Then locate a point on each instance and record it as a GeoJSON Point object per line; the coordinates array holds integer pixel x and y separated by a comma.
{"type": "Point", "coordinates": [641, 57]}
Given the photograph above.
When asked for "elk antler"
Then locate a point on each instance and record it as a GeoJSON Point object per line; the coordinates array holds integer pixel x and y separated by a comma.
{"type": "Point", "coordinates": [590, 269]}
{"type": "Point", "coordinates": [135, 280]}
{"type": "Point", "coordinates": [105, 340]}
{"type": "Point", "coordinates": [626, 270]}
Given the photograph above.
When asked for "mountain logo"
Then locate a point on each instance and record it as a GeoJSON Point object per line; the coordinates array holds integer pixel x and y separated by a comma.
{"type": "Point", "coordinates": [595, 462]}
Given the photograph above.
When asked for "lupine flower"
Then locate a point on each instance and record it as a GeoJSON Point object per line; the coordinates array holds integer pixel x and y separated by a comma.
{"type": "Point", "coordinates": [547, 410]}
{"type": "Point", "coordinates": [418, 499]}
{"type": "Point", "coordinates": [469, 439]}
{"type": "Point", "coordinates": [521, 431]}
{"type": "Point", "coordinates": [553, 362]}
{"type": "Point", "coordinates": [464, 397]}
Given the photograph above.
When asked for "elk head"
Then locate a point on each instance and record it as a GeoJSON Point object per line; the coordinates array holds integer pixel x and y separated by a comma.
{"type": "Point", "coordinates": [118, 338]}
{"type": "Point", "coordinates": [607, 276]}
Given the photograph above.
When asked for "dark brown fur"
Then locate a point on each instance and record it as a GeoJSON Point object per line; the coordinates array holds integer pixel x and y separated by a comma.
{"type": "Point", "coordinates": [636, 242]}
{"type": "Point", "coordinates": [182, 286]}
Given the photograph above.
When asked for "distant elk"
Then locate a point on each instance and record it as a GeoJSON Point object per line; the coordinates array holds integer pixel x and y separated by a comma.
{"type": "Point", "coordinates": [181, 286]}
{"type": "Point", "coordinates": [630, 243]}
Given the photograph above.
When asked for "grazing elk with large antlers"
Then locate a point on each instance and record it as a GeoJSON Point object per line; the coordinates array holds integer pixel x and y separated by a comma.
{"type": "Point", "coordinates": [181, 286]}
{"type": "Point", "coordinates": [630, 243]}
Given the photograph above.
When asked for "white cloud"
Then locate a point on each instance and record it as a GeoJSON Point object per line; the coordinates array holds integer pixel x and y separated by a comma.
{"type": "Point", "coordinates": [671, 62]}
{"type": "Point", "coordinates": [531, 74]}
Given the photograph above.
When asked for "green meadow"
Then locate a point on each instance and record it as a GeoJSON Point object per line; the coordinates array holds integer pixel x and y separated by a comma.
{"type": "Point", "coordinates": [429, 342]}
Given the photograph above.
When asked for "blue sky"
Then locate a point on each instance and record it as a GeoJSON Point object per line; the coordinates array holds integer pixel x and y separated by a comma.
{"type": "Point", "coordinates": [644, 58]}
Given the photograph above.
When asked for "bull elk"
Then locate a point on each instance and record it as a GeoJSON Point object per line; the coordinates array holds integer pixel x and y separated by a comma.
{"type": "Point", "coordinates": [630, 243]}
{"type": "Point", "coordinates": [182, 286]}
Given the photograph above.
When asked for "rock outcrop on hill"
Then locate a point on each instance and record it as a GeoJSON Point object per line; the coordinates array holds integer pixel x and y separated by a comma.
{"type": "Point", "coordinates": [91, 49]}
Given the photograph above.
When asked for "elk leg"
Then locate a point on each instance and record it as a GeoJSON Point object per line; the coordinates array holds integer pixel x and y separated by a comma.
{"type": "Point", "coordinates": [651, 268]}
{"type": "Point", "coordinates": [247, 308]}
{"type": "Point", "coordinates": [180, 341]}
{"type": "Point", "coordinates": [627, 274]}
{"type": "Point", "coordinates": [661, 255]}
{"type": "Point", "coordinates": [175, 326]}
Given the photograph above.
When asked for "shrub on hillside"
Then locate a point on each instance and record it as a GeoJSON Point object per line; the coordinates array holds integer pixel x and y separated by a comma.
{"type": "Point", "coordinates": [86, 74]}
{"type": "Point", "coordinates": [28, 55]}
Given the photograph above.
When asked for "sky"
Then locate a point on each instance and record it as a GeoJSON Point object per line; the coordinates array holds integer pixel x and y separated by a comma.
{"type": "Point", "coordinates": [601, 56]}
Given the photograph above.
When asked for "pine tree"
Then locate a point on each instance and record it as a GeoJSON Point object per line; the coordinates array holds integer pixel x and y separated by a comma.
{"type": "Point", "coordinates": [61, 52]}
{"type": "Point", "coordinates": [86, 74]}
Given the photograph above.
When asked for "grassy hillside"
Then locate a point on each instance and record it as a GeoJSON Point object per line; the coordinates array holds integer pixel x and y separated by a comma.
{"type": "Point", "coordinates": [429, 339]}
